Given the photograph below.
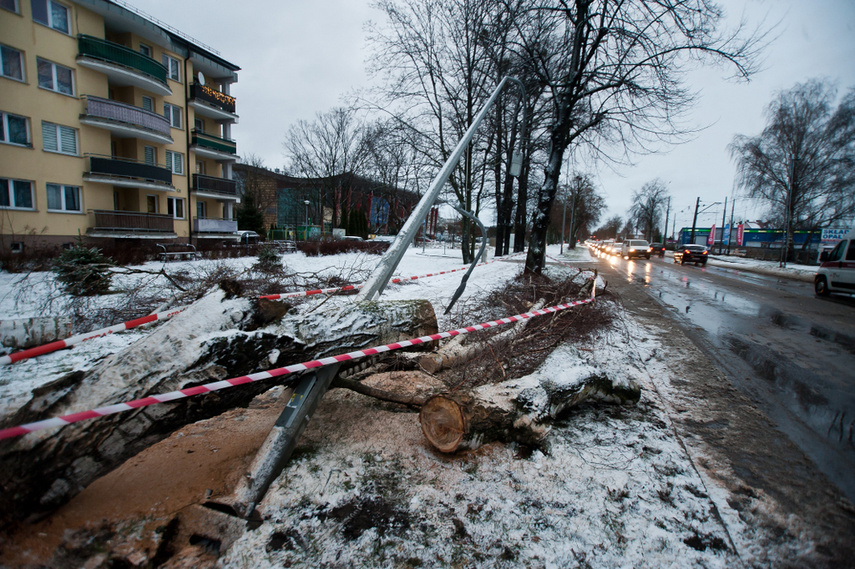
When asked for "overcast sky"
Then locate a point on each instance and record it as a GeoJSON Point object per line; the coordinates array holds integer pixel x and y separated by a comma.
{"type": "Point", "coordinates": [299, 58]}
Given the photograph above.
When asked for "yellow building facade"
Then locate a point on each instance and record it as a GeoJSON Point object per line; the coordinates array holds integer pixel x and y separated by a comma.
{"type": "Point", "coordinates": [115, 129]}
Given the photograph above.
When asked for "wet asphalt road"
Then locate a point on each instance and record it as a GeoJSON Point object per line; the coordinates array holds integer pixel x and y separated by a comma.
{"type": "Point", "coordinates": [792, 353]}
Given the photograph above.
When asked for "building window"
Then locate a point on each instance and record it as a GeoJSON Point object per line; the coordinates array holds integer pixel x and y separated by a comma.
{"type": "Point", "coordinates": [16, 194]}
{"type": "Point", "coordinates": [175, 207]}
{"type": "Point", "coordinates": [148, 103]}
{"type": "Point", "coordinates": [11, 5]}
{"type": "Point", "coordinates": [201, 210]}
{"type": "Point", "coordinates": [145, 50]}
{"type": "Point", "coordinates": [12, 63]}
{"type": "Point", "coordinates": [63, 198]}
{"type": "Point", "coordinates": [52, 14]}
{"type": "Point", "coordinates": [173, 69]}
{"type": "Point", "coordinates": [199, 125]}
{"type": "Point", "coordinates": [172, 114]}
{"type": "Point", "coordinates": [200, 167]}
{"type": "Point", "coordinates": [151, 204]}
{"type": "Point", "coordinates": [55, 77]}
{"type": "Point", "coordinates": [58, 138]}
{"type": "Point", "coordinates": [175, 162]}
{"type": "Point", "coordinates": [150, 153]}
{"type": "Point", "coordinates": [14, 129]}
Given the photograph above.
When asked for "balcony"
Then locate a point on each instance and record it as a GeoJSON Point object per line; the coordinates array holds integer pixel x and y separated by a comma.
{"type": "Point", "coordinates": [122, 65]}
{"type": "Point", "coordinates": [125, 121]}
{"type": "Point", "coordinates": [213, 225]}
{"type": "Point", "coordinates": [212, 187]}
{"type": "Point", "coordinates": [118, 224]}
{"type": "Point", "coordinates": [211, 146]}
{"type": "Point", "coordinates": [211, 103]}
{"type": "Point", "coordinates": [128, 173]}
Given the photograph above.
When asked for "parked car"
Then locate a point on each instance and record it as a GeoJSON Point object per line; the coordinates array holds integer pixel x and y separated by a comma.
{"type": "Point", "coordinates": [657, 249]}
{"type": "Point", "coordinates": [837, 271]}
{"type": "Point", "coordinates": [635, 248]}
{"type": "Point", "coordinates": [691, 254]}
{"type": "Point", "coordinates": [247, 237]}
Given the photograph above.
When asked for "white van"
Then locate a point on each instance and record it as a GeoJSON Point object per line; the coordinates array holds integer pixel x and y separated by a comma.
{"type": "Point", "coordinates": [837, 271]}
{"type": "Point", "coordinates": [635, 248]}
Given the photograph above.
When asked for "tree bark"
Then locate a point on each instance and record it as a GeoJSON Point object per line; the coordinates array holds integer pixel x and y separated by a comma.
{"type": "Point", "coordinates": [42, 470]}
{"type": "Point", "coordinates": [518, 410]}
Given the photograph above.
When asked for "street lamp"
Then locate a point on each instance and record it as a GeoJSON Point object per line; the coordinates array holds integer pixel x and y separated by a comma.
{"type": "Point", "coordinates": [306, 227]}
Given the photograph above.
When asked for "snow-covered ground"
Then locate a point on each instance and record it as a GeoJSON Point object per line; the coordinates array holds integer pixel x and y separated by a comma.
{"type": "Point", "coordinates": [614, 486]}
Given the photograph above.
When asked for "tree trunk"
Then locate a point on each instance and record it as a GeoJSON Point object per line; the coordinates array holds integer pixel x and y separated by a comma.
{"type": "Point", "coordinates": [518, 410]}
{"type": "Point", "coordinates": [42, 470]}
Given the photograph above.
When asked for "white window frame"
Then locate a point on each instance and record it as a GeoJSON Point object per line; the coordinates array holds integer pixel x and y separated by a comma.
{"type": "Point", "coordinates": [153, 150]}
{"type": "Point", "coordinates": [7, 186]}
{"type": "Point", "coordinates": [50, 22]}
{"type": "Point", "coordinates": [54, 80]}
{"type": "Point", "coordinates": [172, 210]}
{"type": "Point", "coordinates": [20, 55]}
{"type": "Point", "coordinates": [4, 136]}
{"type": "Point", "coordinates": [59, 136]}
{"type": "Point", "coordinates": [172, 113]}
{"type": "Point", "coordinates": [173, 67]}
{"type": "Point", "coordinates": [175, 162]}
{"type": "Point", "coordinates": [146, 50]}
{"type": "Point", "coordinates": [16, 8]}
{"type": "Point", "coordinates": [199, 124]}
{"type": "Point", "coordinates": [150, 106]}
{"type": "Point", "coordinates": [63, 188]}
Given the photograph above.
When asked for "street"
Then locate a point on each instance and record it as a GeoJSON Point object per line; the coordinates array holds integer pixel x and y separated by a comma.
{"type": "Point", "coordinates": [790, 353]}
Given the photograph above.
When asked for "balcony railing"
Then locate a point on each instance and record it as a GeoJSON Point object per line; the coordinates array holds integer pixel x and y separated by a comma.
{"type": "Point", "coordinates": [126, 168]}
{"type": "Point", "coordinates": [213, 225]}
{"type": "Point", "coordinates": [214, 143]}
{"type": "Point", "coordinates": [108, 220]}
{"type": "Point", "coordinates": [104, 50]}
{"type": "Point", "coordinates": [127, 114]}
{"type": "Point", "coordinates": [212, 185]}
{"type": "Point", "coordinates": [212, 96]}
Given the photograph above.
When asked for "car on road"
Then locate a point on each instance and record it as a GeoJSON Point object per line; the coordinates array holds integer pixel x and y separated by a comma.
{"type": "Point", "coordinates": [691, 254]}
{"type": "Point", "coordinates": [657, 249]}
{"type": "Point", "coordinates": [837, 271]}
{"type": "Point", "coordinates": [635, 248]}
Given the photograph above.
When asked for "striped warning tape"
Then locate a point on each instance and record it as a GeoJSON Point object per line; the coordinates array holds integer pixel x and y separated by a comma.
{"type": "Point", "coordinates": [278, 372]}
{"type": "Point", "coordinates": [74, 340]}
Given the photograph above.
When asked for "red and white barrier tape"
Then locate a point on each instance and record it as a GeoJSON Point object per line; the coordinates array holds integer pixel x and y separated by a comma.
{"type": "Point", "coordinates": [72, 340]}
{"type": "Point", "coordinates": [226, 383]}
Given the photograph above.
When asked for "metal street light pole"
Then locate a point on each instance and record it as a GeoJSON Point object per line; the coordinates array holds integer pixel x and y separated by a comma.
{"type": "Point", "coordinates": [306, 227]}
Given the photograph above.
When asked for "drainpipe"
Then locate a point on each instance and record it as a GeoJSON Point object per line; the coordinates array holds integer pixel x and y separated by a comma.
{"type": "Point", "coordinates": [188, 209]}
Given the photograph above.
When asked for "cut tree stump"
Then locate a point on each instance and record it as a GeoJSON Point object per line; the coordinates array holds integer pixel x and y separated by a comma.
{"type": "Point", "coordinates": [217, 337]}
{"type": "Point", "coordinates": [519, 410]}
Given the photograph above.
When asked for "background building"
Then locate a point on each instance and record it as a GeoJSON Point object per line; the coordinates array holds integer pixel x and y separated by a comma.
{"type": "Point", "coordinates": [115, 128]}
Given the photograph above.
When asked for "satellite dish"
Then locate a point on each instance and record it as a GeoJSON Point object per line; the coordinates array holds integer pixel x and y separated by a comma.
{"type": "Point", "coordinates": [200, 78]}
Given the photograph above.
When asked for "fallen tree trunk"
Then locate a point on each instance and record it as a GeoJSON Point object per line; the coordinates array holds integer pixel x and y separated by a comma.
{"type": "Point", "coordinates": [519, 410]}
{"type": "Point", "coordinates": [216, 338]}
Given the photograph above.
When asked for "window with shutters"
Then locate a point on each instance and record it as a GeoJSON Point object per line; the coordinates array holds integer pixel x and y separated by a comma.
{"type": "Point", "coordinates": [58, 138]}
{"type": "Point", "coordinates": [16, 194]}
{"type": "Point", "coordinates": [55, 77]}
{"type": "Point", "coordinates": [172, 114]}
{"type": "Point", "coordinates": [173, 68]}
{"type": "Point", "coordinates": [148, 103]}
{"type": "Point", "coordinates": [175, 162]}
{"type": "Point", "coordinates": [150, 153]}
{"type": "Point", "coordinates": [11, 5]}
{"type": "Point", "coordinates": [63, 198]}
{"type": "Point", "coordinates": [14, 129]}
{"type": "Point", "coordinates": [52, 14]}
{"type": "Point", "coordinates": [12, 63]}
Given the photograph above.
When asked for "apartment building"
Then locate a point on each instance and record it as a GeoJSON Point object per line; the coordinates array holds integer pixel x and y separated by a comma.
{"type": "Point", "coordinates": [114, 127]}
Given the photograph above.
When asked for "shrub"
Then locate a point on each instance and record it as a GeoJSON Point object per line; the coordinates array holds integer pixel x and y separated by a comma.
{"type": "Point", "coordinates": [83, 271]}
{"type": "Point", "coordinates": [269, 260]}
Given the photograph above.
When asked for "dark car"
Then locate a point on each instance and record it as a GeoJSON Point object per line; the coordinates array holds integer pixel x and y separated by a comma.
{"type": "Point", "coordinates": [657, 249]}
{"type": "Point", "coordinates": [691, 254]}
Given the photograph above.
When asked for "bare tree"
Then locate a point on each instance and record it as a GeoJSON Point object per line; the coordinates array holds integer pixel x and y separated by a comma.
{"type": "Point", "coordinates": [256, 198]}
{"type": "Point", "coordinates": [331, 145]}
{"type": "Point", "coordinates": [648, 206]}
{"type": "Point", "coordinates": [614, 74]}
{"type": "Point", "coordinates": [803, 163]}
{"type": "Point", "coordinates": [611, 228]}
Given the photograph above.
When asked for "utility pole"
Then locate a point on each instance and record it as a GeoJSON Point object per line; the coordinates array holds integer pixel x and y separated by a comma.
{"type": "Point", "coordinates": [723, 214]}
{"type": "Point", "coordinates": [667, 214]}
{"type": "Point", "coordinates": [730, 227]}
{"type": "Point", "coordinates": [563, 219]}
{"type": "Point", "coordinates": [787, 236]}
{"type": "Point", "coordinates": [695, 221]}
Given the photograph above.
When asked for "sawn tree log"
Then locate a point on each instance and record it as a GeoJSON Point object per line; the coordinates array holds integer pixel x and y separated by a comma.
{"type": "Point", "coordinates": [216, 338]}
{"type": "Point", "coordinates": [519, 410]}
